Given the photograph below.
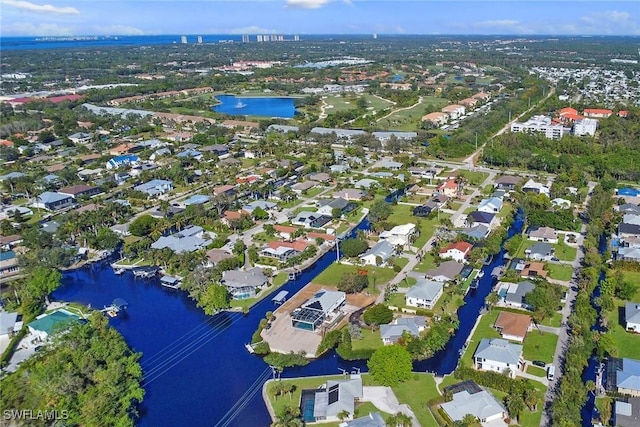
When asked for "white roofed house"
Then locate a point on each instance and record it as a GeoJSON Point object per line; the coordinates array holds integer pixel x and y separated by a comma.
{"type": "Point", "coordinates": [498, 355]}
{"type": "Point", "coordinates": [392, 332]}
{"type": "Point", "coordinates": [424, 294]}
{"type": "Point", "coordinates": [536, 187]}
{"type": "Point", "coordinates": [334, 398]}
{"type": "Point", "coordinates": [80, 137]}
{"type": "Point", "coordinates": [482, 405]}
{"type": "Point", "coordinates": [155, 187]}
{"type": "Point", "coordinates": [190, 239]}
{"type": "Point", "coordinates": [400, 235]}
{"type": "Point", "coordinates": [632, 317]}
{"type": "Point", "coordinates": [313, 312]}
{"type": "Point", "coordinates": [382, 251]}
{"type": "Point", "coordinates": [491, 205]}
{"type": "Point", "coordinates": [244, 284]}
{"type": "Point", "coordinates": [540, 251]}
{"type": "Point", "coordinates": [544, 234]}
{"type": "Point", "coordinates": [326, 206]}
{"type": "Point", "coordinates": [53, 201]}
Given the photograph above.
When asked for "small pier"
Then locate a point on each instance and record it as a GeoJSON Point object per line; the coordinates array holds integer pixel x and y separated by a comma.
{"type": "Point", "coordinates": [145, 272]}
{"type": "Point", "coordinates": [249, 348]}
{"type": "Point", "coordinates": [115, 308]}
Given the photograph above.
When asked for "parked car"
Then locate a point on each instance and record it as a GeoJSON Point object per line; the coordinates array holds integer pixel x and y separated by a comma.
{"type": "Point", "coordinates": [539, 363]}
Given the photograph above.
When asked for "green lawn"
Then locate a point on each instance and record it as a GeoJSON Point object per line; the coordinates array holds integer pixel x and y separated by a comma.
{"type": "Point", "coordinates": [538, 372]}
{"type": "Point", "coordinates": [401, 261]}
{"type": "Point", "coordinates": [378, 276]}
{"type": "Point", "coordinates": [474, 178]}
{"type": "Point", "coordinates": [449, 302]}
{"type": "Point", "coordinates": [563, 252]}
{"type": "Point", "coordinates": [312, 192]}
{"type": "Point", "coordinates": [370, 340]}
{"type": "Point", "coordinates": [483, 330]}
{"type": "Point", "coordinates": [279, 280]}
{"type": "Point", "coordinates": [427, 263]}
{"type": "Point", "coordinates": [539, 346]}
{"type": "Point", "coordinates": [397, 300]}
{"type": "Point", "coordinates": [559, 272]}
{"type": "Point", "coordinates": [628, 344]}
{"type": "Point", "coordinates": [553, 321]}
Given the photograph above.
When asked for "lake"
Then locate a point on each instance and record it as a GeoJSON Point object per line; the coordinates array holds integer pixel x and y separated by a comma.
{"type": "Point", "coordinates": [256, 106]}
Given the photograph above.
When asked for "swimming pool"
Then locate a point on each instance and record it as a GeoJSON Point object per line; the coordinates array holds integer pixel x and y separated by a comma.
{"type": "Point", "coordinates": [307, 404]}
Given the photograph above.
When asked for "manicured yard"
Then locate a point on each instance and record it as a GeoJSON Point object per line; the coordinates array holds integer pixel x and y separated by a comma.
{"type": "Point", "coordinates": [474, 178]}
{"type": "Point", "coordinates": [370, 340]}
{"type": "Point", "coordinates": [539, 346]}
{"type": "Point", "coordinates": [559, 271]}
{"type": "Point", "coordinates": [628, 344]}
{"type": "Point", "coordinates": [397, 300]}
{"type": "Point", "coordinates": [401, 261]}
{"type": "Point", "coordinates": [553, 321]}
{"type": "Point", "coordinates": [378, 276]}
{"type": "Point", "coordinates": [483, 330]}
{"type": "Point", "coordinates": [562, 251]}
{"type": "Point", "coordinates": [403, 214]}
{"type": "Point", "coordinates": [427, 263]}
{"type": "Point", "coordinates": [538, 372]}
{"type": "Point", "coordinates": [449, 302]}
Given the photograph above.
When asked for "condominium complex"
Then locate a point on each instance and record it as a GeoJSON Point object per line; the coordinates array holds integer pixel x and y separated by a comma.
{"type": "Point", "coordinates": [541, 124]}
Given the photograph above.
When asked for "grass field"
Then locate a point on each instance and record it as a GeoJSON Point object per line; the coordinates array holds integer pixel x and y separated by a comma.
{"type": "Point", "coordinates": [628, 344]}
{"type": "Point", "coordinates": [403, 214]}
{"type": "Point", "coordinates": [540, 346]}
{"type": "Point", "coordinates": [378, 276]}
{"type": "Point", "coordinates": [342, 103]}
{"type": "Point", "coordinates": [370, 340]}
{"type": "Point", "coordinates": [553, 321]}
{"type": "Point", "coordinates": [483, 330]}
{"type": "Point", "coordinates": [538, 372]}
{"type": "Point", "coordinates": [563, 252]}
{"type": "Point", "coordinates": [560, 272]}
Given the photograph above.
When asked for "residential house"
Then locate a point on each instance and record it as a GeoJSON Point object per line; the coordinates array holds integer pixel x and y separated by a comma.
{"type": "Point", "coordinates": [627, 413]}
{"type": "Point", "coordinates": [513, 294]}
{"type": "Point", "coordinates": [628, 208]}
{"type": "Point", "coordinates": [219, 150]}
{"type": "Point", "coordinates": [458, 251]}
{"type": "Point", "coordinates": [343, 168]}
{"type": "Point", "coordinates": [628, 230]}
{"type": "Point", "coordinates": [392, 332]}
{"type": "Point", "coordinates": [540, 252]}
{"type": "Point", "coordinates": [449, 188]}
{"type": "Point", "coordinates": [9, 242]}
{"type": "Point", "coordinates": [498, 355]}
{"type": "Point", "coordinates": [507, 182]}
{"type": "Point", "coordinates": [623, 376]}
{"type": "Point", "coordinates": [214, 256]}
{"type": "Point", "coordinates": [454, 111]}
{"type": "Point", "coordinates": [513, 326]}
{"type": "Point", "coordinates": [422, 172]}
{"type": "Point", "coordinates": [469, 102]}
{"type": "Point", "coordinates": [81, 137]}
{"type": "Point", "coordinates": [190, 239]}
{"type": "Point", "coordinates": [81, 190]}
{"type": "Point", "coordinates": [282, 251]}
{"type": "Point", "coordinates": [490, 205]}
{"type": "Point", "coordinates": [189, 153]}
{"type": "Point", "coordinates": [302, 187]}
{"type": "Point", "coordinates": [320, 177]}
{"type": "Point", "coordinates": [438, 118]}
{"type": "Point", "coordinates": [378, 254]}
{"type": "Point", "coordinates": [478, 232]}
{"type": "Point", "coordinates": [335, 398]}
{"type": "Point", "coordinates": [262, 204]}
{"type": "Point", "coordinates": [285, 232]}
{"type": "Point", "coordinates": [8, 263]}
{"type": "Point", "coordinates": [245, 125]}
{"type": "Point", "coordinates": [627, 253]}
{"type": "Point", "coordinates": [560, 203]}
{"type": "Point", "coordinates": [390, 164]}
{"type": "Point", "coordinates": [48, 324]}
{"type": "Point", "coordinates": [535, 187]}
{"type": "Point", "coordinates": [283, 128]}
{"type": "Point", "coordinates": [424, 294]}
{"type": "Point", "coordinates": [229, 190]}
{"type": "Point", "coordinates": [244, 284]}
{"type": "Point", "coordinates": [448, 271]}
{"type": "Point", "coordinates": [632, 316]}
{"type": "Point", "coordinates": [400, 235]}
{"type": "Point", "coordinates": [476, 218]}
{"type": "Point", "coordinates": [310, 219]}
{"type": "Point", "coordinates": [543, 234]}
{"type": "Point", "coordinates": [326, 206]}
{"type": "Point", "coordinates": [9, 323]}
{"type": "Point", "coordinates": [196, 199]}
{"type": "Point", "coordinates": [482, 405]}
{"type": "Point", "coordinates": [126, 160]}
{"type": "Point", "coordinates": [534, 270]}
{"type": "Point", "coordinates": [155, 187]}
{"type": "Point", "coordinates": [313, 312]}
{"type": "Point", "coordinates": [350, 194]}
{"type": "Point", "coordinates": [366, 183]}
{"type": "Point", "coordinates": [425, 210]}
{"type": "Point", "coordinates": [53, 201]}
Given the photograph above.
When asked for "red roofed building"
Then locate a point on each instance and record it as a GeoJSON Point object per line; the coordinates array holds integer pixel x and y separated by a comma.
{"type": "Point", "coordinates": [449, 188]}
{"type": "Point", "coordinates": [623, 113]}
{"type": "Point", "coordinates": [297, 245]}
{"type": "Point", "coordinates": [285, 232]}
{"type": "Point", "coordinates": [567, 110]}
{"type": "Point", "coordinates": [6, 143]}
{"type": "Point", "coordinates": [323, 236]}
{"type": "Point", "coordinates": [229, 216]}
{"type": "Point", "coordinates": [597, 112]}
{"type": "Point", "coordinates": [457, 251]}
{"type": "Point", "coordinates": [62, 98]}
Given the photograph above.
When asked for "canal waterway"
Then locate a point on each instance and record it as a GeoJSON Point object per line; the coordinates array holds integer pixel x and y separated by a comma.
{"type": "Point", "coordinates": [256, 106]}
{"type": "Point", "coordinates": [197, 370]}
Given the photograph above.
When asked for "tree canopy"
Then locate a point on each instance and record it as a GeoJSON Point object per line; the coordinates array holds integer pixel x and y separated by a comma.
{"type": "Point", "coordinates": [390, 365]}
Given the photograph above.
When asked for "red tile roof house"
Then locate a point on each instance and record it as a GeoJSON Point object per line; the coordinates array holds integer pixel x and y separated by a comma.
{"type": "Point", "coordinates": [285, 232]}
{"type": "Point", "coordinates": [448, 188]}
{"type": "Point", "coordinates": [224, 189]}
{"type": "Point", "coordinates": [457, 251]}
{"type": "Point", "coordinates": [229, 216]}
{"type": "Point", "coordinates": [597, 112]}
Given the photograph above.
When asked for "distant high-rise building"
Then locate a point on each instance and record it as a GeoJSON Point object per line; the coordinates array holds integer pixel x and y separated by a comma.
{"type": "Point", "coordinates": [375, 36]}
{"type": "Point", "coordinates": [183, 39]}
{"type": "Point", "coordinates": [259, 38]}
{"type": "Point", "coordinates": [265, 38]}
{"type": "Point", "coordinates": [199, 39]}
{"type": "Point", "coordinates": [245, 38]}
{"type": "Point", "coordinates": [296, 38]}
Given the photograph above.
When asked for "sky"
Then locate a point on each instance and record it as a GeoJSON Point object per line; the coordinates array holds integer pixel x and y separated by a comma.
{"type": "Point", "coordinates": [151, 17]}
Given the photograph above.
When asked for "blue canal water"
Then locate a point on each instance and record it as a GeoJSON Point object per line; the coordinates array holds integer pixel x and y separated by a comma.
{"type": "Point", "coordinates": [589, 411]}
{"type": "Point", "coordinates": [445, 361]}
{"type": "Point", "coordinates": [255, 106]}
{"type": "Point", "coordinates": [197, 370]}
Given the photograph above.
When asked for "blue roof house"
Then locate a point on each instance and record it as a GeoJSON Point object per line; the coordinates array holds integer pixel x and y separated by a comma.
{"type": "Point", "coordinates": [53, 201]}
{"type": "Point", "coordinates": [155, 187]}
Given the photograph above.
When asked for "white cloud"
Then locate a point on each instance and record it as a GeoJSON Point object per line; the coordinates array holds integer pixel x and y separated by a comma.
{"type": "Point", "coordinates": [498, 23]}
{"type": "Point", "coordinates": [118, 30]}
{"type": "Point", "coordinates": [29, 29]}
{"type": "Point", "coordinates": [306, 4]}
{"type": "Point", "coordinates": [44, 8]}
{"type": "Point", "coordinates": [253, 29]}
{"type": "Point", "coordinates": [610, 22]}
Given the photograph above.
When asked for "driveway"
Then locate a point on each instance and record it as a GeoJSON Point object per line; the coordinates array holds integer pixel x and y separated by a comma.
{"type": "Point", "coordinates": [385, 399]}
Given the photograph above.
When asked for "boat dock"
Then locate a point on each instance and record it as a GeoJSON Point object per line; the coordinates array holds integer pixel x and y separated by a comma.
{"type": "Point", "coordinates": [171, 282]}
{"type": "Point", "coordinates": [115, 308]}
{"type": "Point", "coordinates": [280, 298]}
{"type": "Point", "coordinates": [145, 272]}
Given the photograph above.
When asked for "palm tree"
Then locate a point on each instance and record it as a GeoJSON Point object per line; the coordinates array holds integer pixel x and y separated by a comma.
{"type": "Point", "coordinates": [343, 415]}
{"type": "Point", "coordinates": [492, 300]}
{"type": "Point", "coordinates": [533, 397]}
{"type": "Point", "coordinates": [403, 420]}
{"type": "Point", "coordinates": [515, 405]}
